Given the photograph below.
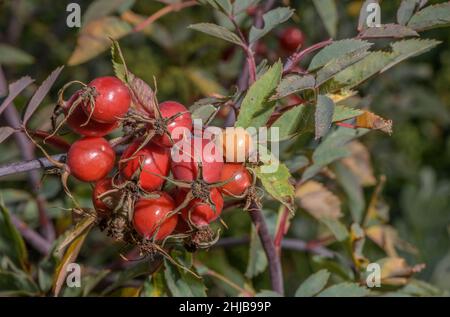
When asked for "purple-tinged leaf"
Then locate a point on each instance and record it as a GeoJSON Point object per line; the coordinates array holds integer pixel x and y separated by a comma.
{"type": "Point", "coordinates": [5, 132]}
{"type": "Point", "coordinates": [15, 89]}
{"type": "Point", "coordinates": [40, 94]}
{"type": "Point", "coordinates": [142, 94]}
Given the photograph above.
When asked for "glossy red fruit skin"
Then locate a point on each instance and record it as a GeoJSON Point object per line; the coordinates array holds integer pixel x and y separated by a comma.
{"type": "Point", "coordinates": [155, 161]}
{"type": "Point", "coordinates": [102, 186]}
{"type": "Point", "coordinates": [151, 213]}
{"type": "Point", "coordinates": [169, 109]}
{"type": "Point", "coordinates": [90, 159]}
{"type": "Point", "coordinates": [77, 119]}
{"type": "Point", "coordinates": [291, 38]}
{"type": "Point", "coordinates": [187, 169]}
{"type": "Point", "coordinates": [201, 213]}
{"type": "Point", "coordinates": [241, 179]}
{"type": "Point", "coordinates": [112, 100]}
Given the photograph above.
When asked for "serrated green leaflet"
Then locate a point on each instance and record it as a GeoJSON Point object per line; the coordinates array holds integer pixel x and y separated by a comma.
{"type": "Point", "coordinates": [431, 17]}
{"type": "Point", "coordinates": [255, 109]}
{"type": "Point", "coordinates": [335, 50]}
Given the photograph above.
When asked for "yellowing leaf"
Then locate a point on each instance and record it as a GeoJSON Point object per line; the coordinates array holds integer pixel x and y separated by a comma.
{"type": "Point", "coordinates": [317, 200]}
{"type": "Point", "coordinates": [359, 163]}
{"type": "Point", "coordinates": [395, 271]}
{"type": "Point", "coordinates": [387, 238]}
{"type": "Point", "coordinates": [342, 95]}
{"type": "Point", "coordinates": [369, 120]}
{"type": "Point", "coordinates": [95, 38]}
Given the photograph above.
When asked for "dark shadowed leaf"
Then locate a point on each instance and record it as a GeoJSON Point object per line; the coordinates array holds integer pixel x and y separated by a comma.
{"type": "Point", "coordinates": [323, 115]}
{"type": "Point", "coordinates": [217, 31]}
{"type": "Point", "coordinates": [271, 20]}
{"type": "Point", "coordinates": [142, 268]}
{"type": "Point", "coordinates": [293, 84]}
{"type": "Point", "coordinates": [388, 31]}
{"type": "Point", "coordinates": [313, 284]}
{"type": "Point", "coordinates": [5, 132]}
{"type": "Point", "coordinates": [40, 94]}
{"type": "Point", "coordinates": [83, 225]}
{"type": "Point", "coordinates": [344, 290]}
{"type": "Point", "coordinates": [17, 284]}
{"type": "Point", "coordinates": [91, 281]}
{"type": "Point", "coordinates": [328, 13]}
{"type": "Point", "coordinates": [14, 90]}
{"type": "Point", "coordinates": [255, 110]}
{"type": "Point", "coordinates": [336, 50]}
{"type": "Point", "coordinates": [10, 55]}
{"type": "Point", "coordinates": [182, 283]}
{"type": "Point", "coordinates": [16, 250]}
{"type": "Point", "coordinates": [257, 260]}
{"type": "Point", "coordinates": [433, 16]}
{"type": "Point", "coordinates": [94, 38]}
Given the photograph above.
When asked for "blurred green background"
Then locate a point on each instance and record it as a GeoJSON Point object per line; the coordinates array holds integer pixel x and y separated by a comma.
{"type": "Point", "coordinates": [188, 65]}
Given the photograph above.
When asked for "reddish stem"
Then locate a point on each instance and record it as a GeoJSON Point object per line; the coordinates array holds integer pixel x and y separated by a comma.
{"type": "Point", "coordinates": [282, 230]}
{"type": "Point", "coordinates": [160, 13]}
{"type": "Point", "coordinates": [55, 141]}
{"type": "Point", "coordinates": [292, 61]}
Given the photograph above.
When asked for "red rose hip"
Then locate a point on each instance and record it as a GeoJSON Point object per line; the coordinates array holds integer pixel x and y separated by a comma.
{"type": "Point", "coordinates": [291, 38]}
{"type": "Point", "coordinates": [151, 216]}
{"type": "Point", "coordinates": [90, 159]}
{"type": "Point", "coordinates": [200, 213]}
{"type": "Point", "coordinates": [112, 100]}
{"type": "Point", "coordinates": [189, 153]}
{"type": "Point", "coordinates": [153, 161]}
{"type": "Point", "coordinates": [239, 179]}
{"type": "Point", "coordinates": [101, 187]}
{"type": "Point", "coordinates": [77, 120]}
{"type": "Point", "coordinates": [177, 127]}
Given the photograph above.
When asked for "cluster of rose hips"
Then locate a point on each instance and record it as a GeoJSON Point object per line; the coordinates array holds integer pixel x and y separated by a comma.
{"type": "Point", "coordinates": [144, 197]}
